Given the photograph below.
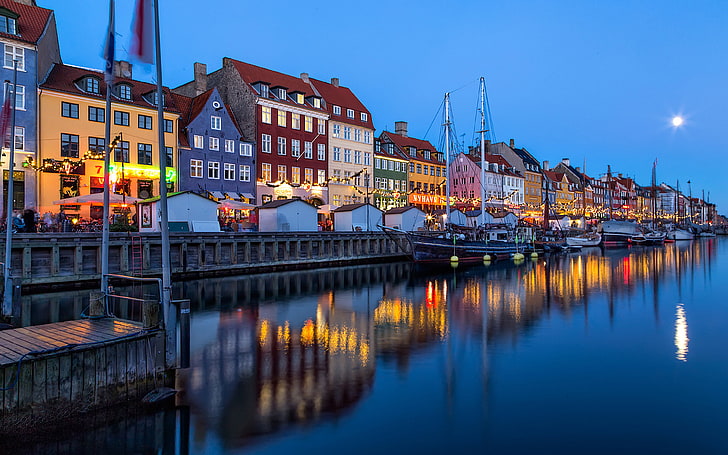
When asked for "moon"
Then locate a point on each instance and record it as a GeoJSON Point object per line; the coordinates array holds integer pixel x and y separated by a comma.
{"type": "Point", "coordinates": [677, 121]}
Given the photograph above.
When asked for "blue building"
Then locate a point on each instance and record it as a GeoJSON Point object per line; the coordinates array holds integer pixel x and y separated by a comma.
{"type": "Point", "coordinates": [214, 159]}
{"type": "Point", "coordinates": [29, 39]}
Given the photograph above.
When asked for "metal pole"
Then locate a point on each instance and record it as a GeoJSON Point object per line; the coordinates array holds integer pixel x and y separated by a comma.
{"type": "Point", "coordinates": [482, 151]}
{"type": "Point", "coordinates": [107, 189]}
{"type": "Point", "coordinates": [163, 214]}
{"type": "Point", "coordinates": [8, 289]}
{"type": "Point", "coordinates": [447, 159]}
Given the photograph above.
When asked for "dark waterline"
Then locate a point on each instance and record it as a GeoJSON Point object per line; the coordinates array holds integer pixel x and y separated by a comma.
{"type": "Point", "coordinates": [600, 352]}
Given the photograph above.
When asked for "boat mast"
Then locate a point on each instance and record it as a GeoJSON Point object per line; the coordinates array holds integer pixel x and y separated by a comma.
{"type": "Point", "coordinates": [610, 192]}
{"type": "Point", "coordinates": [482, 151]}
{"type": "Point", "coordinates": [447, 157]}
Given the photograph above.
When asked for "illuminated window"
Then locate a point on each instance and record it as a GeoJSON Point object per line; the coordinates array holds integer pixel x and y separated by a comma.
{"type": "Point", "coordinates": [265, 114]}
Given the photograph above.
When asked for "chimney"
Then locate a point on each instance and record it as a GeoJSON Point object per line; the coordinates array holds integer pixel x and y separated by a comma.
{"type": "Point", "coordinates": [335, 81]}
{"type": "Point", "coordinates": [566, 161]}
{"type": "Point", "coordinates": [619, 175]}
{"type": "Point", "coordinates": [122, 69]}
{"type": "Point", "coordinates": [304, 77]}
{"type": "Point", "coordinates": [487, 146]}
{"type": "Point", "coordinates": [400, 128]}
{"type": "Point", "coordinates": [200, 78]}
{"type": "Point", "coordinates": [546, 166]}
{"type": "Point", "coordinates": [578, 169]}
{"type": "Point", "coordinates": [27, 2]}
{"type": "Point", "coordinates": [512, 144]}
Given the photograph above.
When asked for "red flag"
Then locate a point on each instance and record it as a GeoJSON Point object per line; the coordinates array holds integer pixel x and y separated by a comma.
{"type": "Point", "coordinates": [5, 121]}
{"type": "Point", "coordinates": [143, 41]}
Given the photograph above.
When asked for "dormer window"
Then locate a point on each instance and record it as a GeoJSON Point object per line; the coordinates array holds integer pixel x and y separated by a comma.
{"type": "Point", "coordinates": [337, 110]}
{"type": "Point", "coordinates": [317, 103]}
{"type": "Point", "coordinates": [151, 98]}
{"type": "Point", "coordinates": [364, 117]}
{"type": "Point", "coordinates": [427, 154]}
{"type": "Point", "coordinates": [8, 22]}
{"type": "Point", "coordinates": [262, 89]}
{"type": "Point", "coordinates": [124, 92]}
{"type": "Point", "coordinates": [299, 98]}
{"type": "Point", "coordinates": [281, 93]}
{"type": "Point", "coordinates": [413, 151]}
{"type": "Point", "coordinates": [350, 113]}
{"type": "Point", "coordinates": [91, 85]}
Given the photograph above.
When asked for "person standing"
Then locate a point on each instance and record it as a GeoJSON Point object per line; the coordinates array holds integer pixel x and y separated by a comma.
{"type": "Point", "coordinates": [29, 220]}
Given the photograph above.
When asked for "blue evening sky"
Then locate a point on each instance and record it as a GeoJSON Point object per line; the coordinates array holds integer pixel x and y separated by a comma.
{"type": "Point", "coordinates": [597, 82]}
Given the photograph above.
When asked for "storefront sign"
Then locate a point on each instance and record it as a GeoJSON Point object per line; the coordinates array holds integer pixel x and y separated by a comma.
{"type": "Point", "coordinates": [69, 186]}
{"type": "Point", "coordinates": [431, 199]}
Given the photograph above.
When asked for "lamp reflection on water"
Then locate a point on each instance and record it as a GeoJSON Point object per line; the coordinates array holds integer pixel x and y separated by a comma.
{"type": "Point", "coordinates": [681, 334]}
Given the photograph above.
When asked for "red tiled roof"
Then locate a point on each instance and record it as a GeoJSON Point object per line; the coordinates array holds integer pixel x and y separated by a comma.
{"type": "Point", "coordinates": [185, 106]}
{"type": "Point", "coordinates": [404, 142]}
{"type": "Point", "coordinates": [63, 78]}
{"type": "Point", "coordinates": [252, 74]}
{"type": "Point", "coordinates": [345, 98]}
{"type": "Point", "coordinates": [554, 176]}
{"type": "Point", "coordinates": [31, 22]}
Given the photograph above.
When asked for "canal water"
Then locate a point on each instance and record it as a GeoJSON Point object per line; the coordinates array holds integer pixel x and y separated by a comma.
{"type": "Point", "coordinates": [602, 351]}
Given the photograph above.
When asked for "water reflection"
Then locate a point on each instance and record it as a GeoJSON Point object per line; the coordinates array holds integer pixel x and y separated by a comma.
{"type": "Point", "coordinates": [275, 352]}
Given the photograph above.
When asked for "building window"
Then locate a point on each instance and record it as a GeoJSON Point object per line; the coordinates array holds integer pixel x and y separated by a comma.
{"type": "Point", "coordinates": [264, 90]}
{"type": "Point", "coordinates": [198, 141]}
{"type": "Point", "coordinates": [92, 85]}
{"type": "Point", "coordinates": [281, 145]}
{"type": "Point", "coordinates": [295, 148]}
{"type": "Point", "coordinates": [337, 110]}
{"type": "Point", "coordinates": [308, 175]}
{"type": "Point", "coordinates": [14, 54]}
{"type": "Point", "coordinates": [213, 170]}
{"type": "Point", "coordinates": [19, 138]}
{"type": "Point", "coordinates": [357, 157]}
{"type": "Point", "coordinates": [96, 114]}
{"type": "Point", "coordinates": [8, 25]}
{"type": "Point", "coordinates": [19, 96]}
{"type": "Point", "coordinates": [69, 145]}
{"type": "Point", "coordinates": [265, 143]}
{"type": "Point", "coordinates": [69, 110]}
{"type": "Point", "coordinates": [367, 159]}
{"type": "Point", "coordinates": [364, 117]}
{"type": "Point", "coordinates": [196, 169]}
{"type": "Point", "coordinates": [144, 154]}
{"type": "Point", "coordinates": [214, 143]}
{"type": "Point", "coordinates": [295, 174]}
{"type": "Point", "coordinates": [367, 137]}
{"type": "Point", "coordinates": [357, 134]}
{"type": "Point", "coordinates": [266, 172]}
{"type": "Point", "coordinates": [321, 152]}
{"type": "Point", "coordinates": [169, 153]}
{"type": "Point", "coordinates": [216, 122]}
{"type": "Point", "coordinates": [281, 118]}
{"type": "Point", "coordinates": [265, 114]}
{"type": "Point", "coordinates": [168, 126]}
{"type": "Point", "coordinates": [337, 154]}
{"type": "Point", "coordinates": [307, 150]}
{"type": "Point", "coordinates": [145, 122]}
{"type": "Point", "coordinates": [244, 173]}
{"type": "Point", "coordinates": [228, 171]}
{"type": "Point", "coordinates": [347, 132]}
{"type": "Point", "coordinates": [347, 156]}
{"type": "Point", "coordinates": [96, 145]}
{"type": "Point", "coordinates": [317, 103]}
{"type": "Point", "coordinates": [124, 92]}
{"type": "Point", "coordinates": [121, 118]}
{"type": "Point", "coordinates": [300, 98]}
{"type": "Point", "coordinates": [321, 176]}
{"type": "Point", "coordinates": [350, 113]}
{"type": "Point", "coordinates": [281, 173]}
{"type": "Point", "coordinates": [321, 126]}
{"type": "Point", "coordinates": [308, 123]}
{"type": "Point", "coordinates": [295, 121]}
{"type": "Point", "coordinates": [121, 152]}
{"type": "Point", "coordinates": [246, 149]}
{"type": "Point", "coordinates": [229, 146]}
{"type": "Point", "coordinates": [336, 131]}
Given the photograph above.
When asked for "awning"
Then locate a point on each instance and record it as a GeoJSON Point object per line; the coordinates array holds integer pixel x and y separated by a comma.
{"type": "Point", "coordinates": [217, 194]}
{"type": "Point", "coordinates": [235, 205]}
{"type": "Point", "coordinates": [233, 195]}
{"type": "Point", "coordinates": [247, 195]}
{"type": "Point", "coordinates": [98, 198]}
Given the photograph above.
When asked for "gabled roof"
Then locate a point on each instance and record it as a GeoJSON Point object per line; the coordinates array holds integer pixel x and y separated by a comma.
{"type": "Point", "coordinates": [554, 176]}
{"type": "Point", "coordinates": [281, 202]}
{"type": "Point", "coordinates": [526, 156]}
{"type": "Point", "coordinates": [345, 98]}
{"type": "Point", "coordinates": [252, 74]}
{"type": "Point", "coordinates": [63, 78]}
{"type": "Point", "coordinates": [184, 104]}
{"type": "Point", "coordinates": [31, 21]}
{"type": "Point", "coordinates": [398, 210]}
{"type": "Point", "coordinates": [352, 207]}
{"type": "Point", "coordinates": [404, 142]}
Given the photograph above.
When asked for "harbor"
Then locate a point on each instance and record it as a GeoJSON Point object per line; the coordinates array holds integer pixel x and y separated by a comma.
{"type": "Point", "coordinates": [316, 356]}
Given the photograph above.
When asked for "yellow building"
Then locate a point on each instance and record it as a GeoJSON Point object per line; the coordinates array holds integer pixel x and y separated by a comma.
{"type": "Point", "coordinates": [71, 130]}
{"type": "Point", "coordinates": [564, 200]}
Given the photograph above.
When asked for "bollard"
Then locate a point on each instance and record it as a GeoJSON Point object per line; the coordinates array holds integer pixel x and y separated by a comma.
{"type": "Point", "coordinates": [184, 333]}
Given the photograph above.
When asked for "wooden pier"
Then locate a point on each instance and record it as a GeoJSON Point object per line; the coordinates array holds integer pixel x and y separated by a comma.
{"type": "Point", "coordinates": [54, 371]}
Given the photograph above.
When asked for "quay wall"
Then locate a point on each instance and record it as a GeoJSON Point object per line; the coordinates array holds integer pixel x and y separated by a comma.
{"type": "Point", "coordinates": [72, 260]}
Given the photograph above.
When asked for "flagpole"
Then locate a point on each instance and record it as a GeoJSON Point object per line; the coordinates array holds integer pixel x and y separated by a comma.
{"type": "Point", "coordinates": [163, 214]}
{"type": "Point", "coordinates": [107, 158]}
{"type": "Point", "coordinates": [8, 282]}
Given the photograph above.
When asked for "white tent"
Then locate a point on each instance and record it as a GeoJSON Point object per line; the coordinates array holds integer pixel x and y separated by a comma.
{"type": "Point", "coordinates": [357, 217]}
{"type": "Point", "coordinates": [287, 215]}
{"type": "Point", "coordinates": [186, 211]}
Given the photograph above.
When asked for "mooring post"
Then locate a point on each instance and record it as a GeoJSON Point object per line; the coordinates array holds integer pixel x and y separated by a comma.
{"type": "Point", "coordinates": [184, 333]}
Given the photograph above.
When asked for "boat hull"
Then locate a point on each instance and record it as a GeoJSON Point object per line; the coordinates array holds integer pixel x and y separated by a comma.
{"type": "Point", "coordinates": [680, 234]}
{"type": "Point", "coordinates": [442, 249]}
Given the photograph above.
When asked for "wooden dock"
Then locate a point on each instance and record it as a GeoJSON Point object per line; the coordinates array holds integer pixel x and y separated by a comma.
{"type": "Point", "coordinates": [54, 371]}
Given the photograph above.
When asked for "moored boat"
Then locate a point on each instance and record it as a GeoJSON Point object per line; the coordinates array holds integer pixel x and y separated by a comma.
{"type": "Point", "coordinates": [586, 239]}
{"type": "Point", "coordinates": [618, 232]}
{"type": "Point", "coordinates": [680, 234]}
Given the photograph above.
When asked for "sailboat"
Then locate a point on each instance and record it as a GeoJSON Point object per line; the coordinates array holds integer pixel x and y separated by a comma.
{"type": "Point", "coordinates": [460, 244]}
{"type": "Point", "coordinates": [676, 232]}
